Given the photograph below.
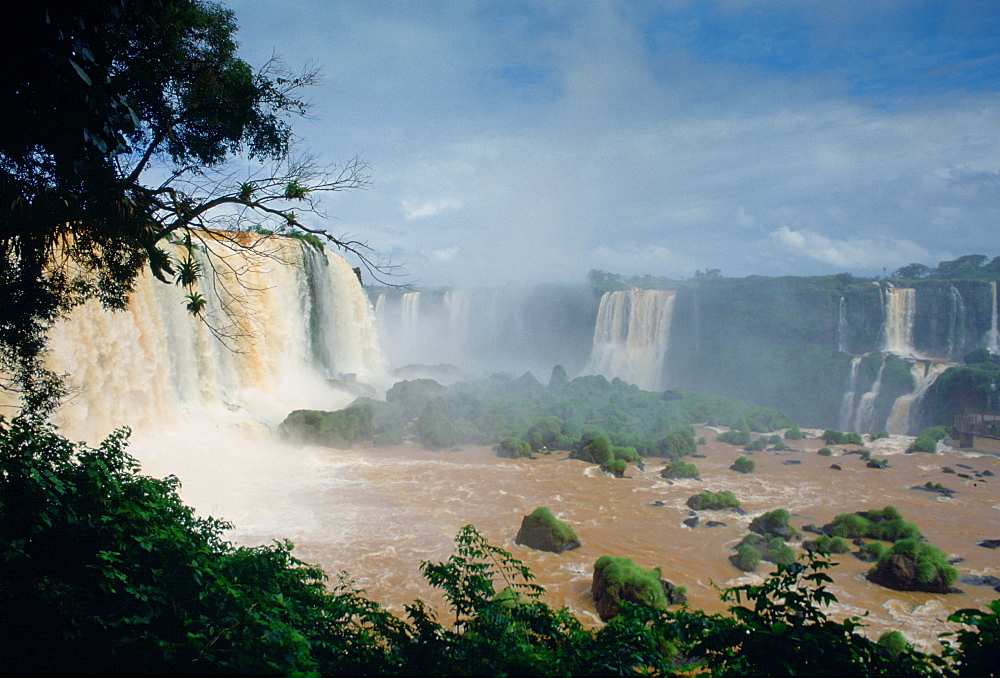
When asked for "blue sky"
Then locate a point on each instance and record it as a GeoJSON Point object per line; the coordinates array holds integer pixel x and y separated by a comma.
{"type": "Point", "coordinates": [532, 141]}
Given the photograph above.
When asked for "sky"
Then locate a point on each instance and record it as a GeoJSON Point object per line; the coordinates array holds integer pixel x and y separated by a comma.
{"type": "Point", "coordinates": [528, 141]}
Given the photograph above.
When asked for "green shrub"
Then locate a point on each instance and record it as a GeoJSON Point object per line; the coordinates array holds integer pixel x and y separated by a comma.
{"type": "Point", "coordinates": [676, 444]}
{"type": "Point", "coordinates": [778, 552]}
{"type": "Point", "coordinates": [935, 432]}
{"type": "Point", "coordinates": [878, 436]}
{"type": "Point", "coordinates": [734, 437]}
{"type": "Point", "coordinates": [513, 448]}
{"type": "Point", "coordinates": [874, 549]}
{"type": "Point", "coordinates": [562, 530]}
{"type": "Point", "coordinates": [794, 433]}
{"type": "Point", "coordinates": [626, 454]}
{"type": "Point", "coordinates": [600, 450]}
{"type": "Point", "coordinates": [893, 642]}
{"type": "Point", "coordinates": [774, 523]}
{"type": "Point", "coordinates": [615, 467]}
{"type": "Point", "coordinates": [771, 549]}
{"type": "Point", "coordinates": [622, 573]}
{"type": "Point", "coordinates": [544, 432]}
{"type": "Point", "coordinates": [931, 562]}
{"type": "Point", "coordinates": [927, 439]}
{"type": "Point", "coordinates": [832, 437]}
{"type": "Point", "coordinates": [713, 501]}
{"type": "Point", "coordinates": [680, 469]}
{"type": "Point", "coordinates": [825, 452]}
{"type": "Point", "coordinates": [334, 429]}
{"type": "Point", "coordinates": [831, 544]}
{"type": "Point", "coordinates": [851, 525]}
{"type": "Point", "coordinates": [747, 558]}
{"type": "Point", "coordinates": [743, 465]}
{"type": "Point", "coordinates": [757, 445]}
{"type": "Point", "coordinates": [886, 524]}
{"type": "Point", "coordinates": [852, 439]}
{"type": "Point", "coordinates": [923, 443]}
{"type": "Point", "coordinates": [894, 530]}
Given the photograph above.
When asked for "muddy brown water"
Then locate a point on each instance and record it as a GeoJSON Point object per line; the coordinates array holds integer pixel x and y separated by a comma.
{"type": "Point", "coordinates": [377, 513]}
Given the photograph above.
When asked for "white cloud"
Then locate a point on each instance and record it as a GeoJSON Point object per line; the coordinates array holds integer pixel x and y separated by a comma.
{"type": "Point", "coordinates": [546, 138]}
{"type": "Point", "coordinates": [635, 259]}
{"type": "Point", "coordinates": [854, 253]}
{"type": "Point", "coordinates": [429, 208]}
{"type": "Point", "coordinates": [446, 254]}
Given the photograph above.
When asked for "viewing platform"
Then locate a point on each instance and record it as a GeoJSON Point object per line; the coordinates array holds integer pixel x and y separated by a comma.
{"type": "Point", "coordinates": [979, 431]}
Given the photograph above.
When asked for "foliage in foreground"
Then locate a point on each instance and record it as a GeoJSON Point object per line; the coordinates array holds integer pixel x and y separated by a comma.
{"type": "Point", "coordinates": [109, 567]}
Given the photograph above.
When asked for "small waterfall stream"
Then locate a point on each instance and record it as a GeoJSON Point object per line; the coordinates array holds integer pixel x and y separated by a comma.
{"type": "Point", "coordinates": [992, 338]}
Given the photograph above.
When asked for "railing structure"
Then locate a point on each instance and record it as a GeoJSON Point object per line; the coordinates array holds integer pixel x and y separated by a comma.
{"type": "Point", "coordinates": [968, 426]}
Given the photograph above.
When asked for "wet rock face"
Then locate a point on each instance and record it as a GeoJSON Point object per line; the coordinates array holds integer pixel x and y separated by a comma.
{"type": "Point", "coordinates": [538, 535]}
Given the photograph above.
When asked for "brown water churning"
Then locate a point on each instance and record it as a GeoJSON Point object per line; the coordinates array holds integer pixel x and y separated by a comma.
{"type": "Point", "coordinates": [393, 507]}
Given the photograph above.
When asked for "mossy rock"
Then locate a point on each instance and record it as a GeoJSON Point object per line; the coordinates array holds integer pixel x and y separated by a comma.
{"type": "Point", "coordinates": [714, 501]}
{"type": "Point", "coordinates": [342, 428]}
{"type": "Point", "coordinates": [680, 469]}
{"type": "Point", "coordinates": [912, 565]}
{"type": "Point", "coordinates": [774, 524]}
{"type": "Point", "coordinates": [619, 579]}
{"type": "Point", "coordinates": [513, 448]}
{"type": "Point", "coordinates": [542, 531]}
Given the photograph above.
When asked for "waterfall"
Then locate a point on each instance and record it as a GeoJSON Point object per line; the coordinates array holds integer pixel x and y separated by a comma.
{"type": "Point", "coordinates": [924, 375]}
{"type": "Point", "coordinates": [900, 308]}
{"type": "Point", "coordinates": [631, 336]}
{"type": "Point", "coordinates": [410, 310]}
{"type": "Point", "coordinates": [296, 319]}
{"type": "Point", "coordinates": [842, 327]}
{"type": "Point", "coordinates": [992, 339]}
{"type": "Point", "coordinates": [956, 328]}
{"type": "Point", "coordinates": [864, 418]}
{"type": "Point", "coordinates": [847, 402]}
{"type": "Point", "coordinates": [458, 304]}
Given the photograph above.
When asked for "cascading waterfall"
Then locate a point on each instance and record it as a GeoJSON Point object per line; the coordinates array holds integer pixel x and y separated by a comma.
{"type": "Point", "coordinates": [864, 418]}
{"type": "Point", "coordinates": [900, 309]}
{"type": "Point", "coordinates": [410, 309]}
{"type": "Point", "coordinates": [992, 339]}
{"type": "Point", "coordinates": [631, 336]}
{"type": "Point", "coordinates": [296, 319]}
{"type": "Point", "coordinates": [842, 327]}
{"type": "Point", "coordinates": [956, 328]}
{"type": "Point", "coordinates": [924, 374]}
{"type": "Point", "coordinates": [847, 402]}
{"type": "Point", "coordinates": [458, 304]}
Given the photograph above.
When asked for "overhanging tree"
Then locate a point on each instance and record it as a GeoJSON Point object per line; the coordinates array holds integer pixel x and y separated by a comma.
{"type": "Point", "coordinates": [131, 135]}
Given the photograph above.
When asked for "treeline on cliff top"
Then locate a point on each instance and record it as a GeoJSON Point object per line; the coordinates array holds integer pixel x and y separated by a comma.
{"type": "Point", "coordinates": [561, 415]}
{"type": "Point", "coordinates": [106, 571]}
{"type": "Point", "coordinates": [967, 267]}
